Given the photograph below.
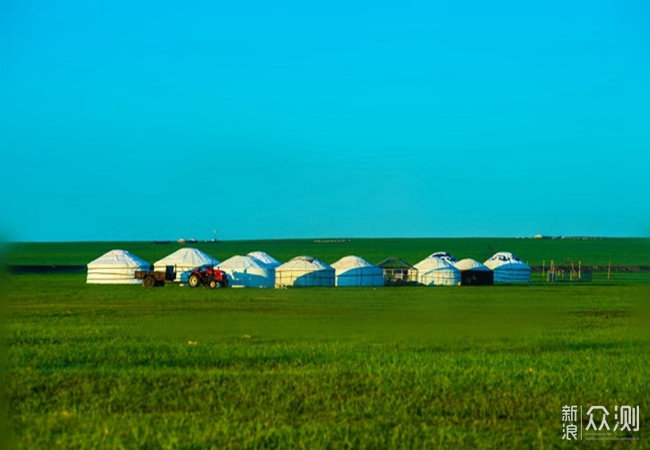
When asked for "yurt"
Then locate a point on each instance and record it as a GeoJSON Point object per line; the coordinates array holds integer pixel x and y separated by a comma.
{"type": "Point", "coordinates": [184, 260]}
{"type": "Point", "coordinates": [265, 258]}
{"type": "Point", "coordinates": [508, 268]}
{"type": "Point", "coordinates": [398, 272]}
{"type": "Point", "coordinates": [246, 271]}
{"type": "Point", "coordinates": [355, 271]}
{"type": "Point", "coordinates": [437, 272]}
{"type": "Point", "coordinates": [116, 267]}
{"type": "Point", "coordinates": [445, 256]}
{"type": "Point", "coordinates": [473, 273]}
{"type": "Point", "coordinates": [304, 271]}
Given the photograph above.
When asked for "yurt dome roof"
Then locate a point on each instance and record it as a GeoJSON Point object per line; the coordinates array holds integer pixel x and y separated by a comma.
{"type": "Point", "coordinates": [445, 256]}
{"type": "Point", "coordinates": [432, 263]}
{"type": "Point", "coordinates": [351, 262]}
{"type": "Point", "coordinates": [265, 258]}
{"type": "Point", "coordinates": [470, 264]}
{"type": "Point", "coordinates": [242, 262]}
{"type": "Point", "coordinates": [187, 257]}
{"type": "Point", "coordinates": [118, 257]}
{"type": "Point", "coordinates": [504, 258]}
{"type": "Point", "coordinates": [304, 262]}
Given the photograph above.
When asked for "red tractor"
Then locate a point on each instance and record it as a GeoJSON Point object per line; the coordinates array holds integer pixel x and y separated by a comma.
{"type": "Point", "coordinates": [207, 276]}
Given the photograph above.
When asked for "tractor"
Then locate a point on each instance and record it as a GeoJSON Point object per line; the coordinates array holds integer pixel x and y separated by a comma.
{"type": "Point", "coordinates": [207, 276]}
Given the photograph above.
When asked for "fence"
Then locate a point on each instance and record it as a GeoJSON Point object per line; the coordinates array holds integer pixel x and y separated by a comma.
{"type": "Point", "coordinates": [576, 272]}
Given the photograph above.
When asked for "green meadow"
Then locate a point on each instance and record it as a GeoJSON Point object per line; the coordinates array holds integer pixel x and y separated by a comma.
{"type": "Point", "coordinates": [411, 367]}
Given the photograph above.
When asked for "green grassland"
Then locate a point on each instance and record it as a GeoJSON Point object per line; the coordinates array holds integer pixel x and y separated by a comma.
{"type": "Point", "coordinates": [617, 251]}
{"type": "Point", "coordinates": [122, 366]}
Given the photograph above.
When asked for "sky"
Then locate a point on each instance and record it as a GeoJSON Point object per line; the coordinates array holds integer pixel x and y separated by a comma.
{"type": "Point", "coordinates": [262, 119]}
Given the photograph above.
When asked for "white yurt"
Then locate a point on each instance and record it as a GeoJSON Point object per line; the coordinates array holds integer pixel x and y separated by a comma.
{"type": "Point", "coordinates": [184, 260]}
{"type": "Point", "coordinates": [265, 258]}
{"type": "Point", "coordinates": [304, 271]}
{"type": "Point", "coordinates": [445, 256]}
{"type": "Point", "coordinates": [437, 272]}
{"type": "Point", "coordinates": [116, 267]}
{"type": "Point", "coordinates": [246, 271]}
{"type": "Point", "coordinates": [508, 268]}
{"type": "Point", "coordinates": [355, 271]}
{"type": "Point", "coordinates": [470, 264]}
{"type": "Point", "coordinates": [473, 273]}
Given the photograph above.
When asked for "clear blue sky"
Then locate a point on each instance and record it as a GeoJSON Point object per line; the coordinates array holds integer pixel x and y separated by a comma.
{"type": "Point", "coordinates": [123, 120]}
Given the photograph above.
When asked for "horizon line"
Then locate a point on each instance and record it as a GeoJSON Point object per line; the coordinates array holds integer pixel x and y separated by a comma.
{"type": "Point", "coordinates": [339, 238]}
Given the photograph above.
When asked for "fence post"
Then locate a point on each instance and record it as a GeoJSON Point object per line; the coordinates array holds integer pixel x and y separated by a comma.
{"type": "Point", "coordinates": [579, 270]}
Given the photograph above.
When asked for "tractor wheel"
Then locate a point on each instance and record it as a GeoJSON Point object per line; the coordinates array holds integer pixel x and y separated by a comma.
{"type": "Point", "coordinates": [213, 284]}
{"type": "Point", "coordinates": [223, 284]}
{"type": "Point", "coordinates": [149, 282]}
{"type": "Point", "coordinates": [194, 280]}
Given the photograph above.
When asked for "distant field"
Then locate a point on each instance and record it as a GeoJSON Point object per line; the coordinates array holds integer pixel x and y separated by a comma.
{"type": "Point", "coordinates": [617, 251]}
{"type": "Point", "coordinates": [122, 366]}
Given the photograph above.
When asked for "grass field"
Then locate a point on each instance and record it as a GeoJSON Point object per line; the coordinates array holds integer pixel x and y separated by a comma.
{"type": "Point", "coordinates": [617, 251]}
{"type": "Point", "coordinates": [112, 366]}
